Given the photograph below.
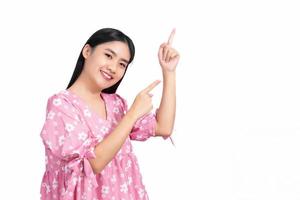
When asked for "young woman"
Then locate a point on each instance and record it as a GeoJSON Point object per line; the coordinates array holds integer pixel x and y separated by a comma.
{"type": "Point", "coordinates": [88, 126]}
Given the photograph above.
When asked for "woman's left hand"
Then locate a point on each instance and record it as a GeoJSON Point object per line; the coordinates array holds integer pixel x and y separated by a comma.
{"type": "Point", "coordinates": [168, 57]}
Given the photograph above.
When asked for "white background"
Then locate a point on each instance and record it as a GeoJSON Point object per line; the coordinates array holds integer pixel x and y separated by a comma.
{"type": "Point", "coordinates": [237, 129]}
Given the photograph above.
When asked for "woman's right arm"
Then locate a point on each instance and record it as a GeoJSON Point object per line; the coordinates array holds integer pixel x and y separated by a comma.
{"type": "Point", "coordinates": [106, 150]}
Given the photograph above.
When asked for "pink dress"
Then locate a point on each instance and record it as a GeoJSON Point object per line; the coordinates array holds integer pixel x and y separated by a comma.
{"type": "Point", "coordinates": [70, 133]}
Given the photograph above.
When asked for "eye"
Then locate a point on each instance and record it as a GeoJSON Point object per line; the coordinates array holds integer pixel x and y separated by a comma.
{"type": "Point", "coordinates": [123, 65]}
{"type": "Point", "coordinates": [108, 55]}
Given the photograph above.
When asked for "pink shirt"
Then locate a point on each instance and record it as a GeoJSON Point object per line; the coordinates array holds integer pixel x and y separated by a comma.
{"type": "Point", "coordinates": [70, 133]}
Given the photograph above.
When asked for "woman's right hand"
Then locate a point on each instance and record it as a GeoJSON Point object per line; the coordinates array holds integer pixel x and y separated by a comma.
{"type": "Point", "coordinates": [142, 103]}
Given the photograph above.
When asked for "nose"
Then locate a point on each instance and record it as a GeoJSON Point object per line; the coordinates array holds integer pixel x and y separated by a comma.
{"type": "Point", "coordinates": [112, 67]}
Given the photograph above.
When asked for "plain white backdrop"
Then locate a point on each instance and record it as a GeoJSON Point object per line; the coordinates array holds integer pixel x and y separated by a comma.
{"type": "Point", "coordinates": [237, 128]}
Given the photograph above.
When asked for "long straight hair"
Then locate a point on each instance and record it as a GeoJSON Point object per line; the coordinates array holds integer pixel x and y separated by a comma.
{"type": "Point", "coordinates": [99, 37]}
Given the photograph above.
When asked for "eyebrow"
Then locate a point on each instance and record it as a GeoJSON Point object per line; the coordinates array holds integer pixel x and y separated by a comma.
{"type": "Point", "coordinates": [116, 55]}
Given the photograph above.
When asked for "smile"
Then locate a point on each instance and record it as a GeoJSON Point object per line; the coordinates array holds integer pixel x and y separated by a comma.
{"type": "Point", "coordinates": [105, 75]}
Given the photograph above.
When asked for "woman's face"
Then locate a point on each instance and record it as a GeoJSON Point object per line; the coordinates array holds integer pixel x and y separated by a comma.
{"type": "Point", "coordinates": [105, 65]}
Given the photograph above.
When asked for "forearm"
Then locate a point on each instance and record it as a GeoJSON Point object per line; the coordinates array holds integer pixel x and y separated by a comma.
{"type": "Point", "coordinates": [167, 108]}
{"type": "Point", "coordinates": [107, 149]}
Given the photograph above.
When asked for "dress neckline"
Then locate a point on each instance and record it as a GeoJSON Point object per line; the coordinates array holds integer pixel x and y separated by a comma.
{"type": "Point", "coordinates": [83, 102]}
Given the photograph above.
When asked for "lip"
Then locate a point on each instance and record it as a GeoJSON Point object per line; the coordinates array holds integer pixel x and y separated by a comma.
{"type": "Point", "coordinates": [106, 75]}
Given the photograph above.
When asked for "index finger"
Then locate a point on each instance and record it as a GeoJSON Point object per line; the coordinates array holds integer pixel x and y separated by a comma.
{"type": "Point", "coordinates": [170, 40]}
{"type": "Point", "coordinates": [151, 86]}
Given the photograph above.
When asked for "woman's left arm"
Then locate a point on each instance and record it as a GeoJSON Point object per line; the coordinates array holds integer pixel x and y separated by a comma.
{"type": "Point", "coordinates": [168, 60]}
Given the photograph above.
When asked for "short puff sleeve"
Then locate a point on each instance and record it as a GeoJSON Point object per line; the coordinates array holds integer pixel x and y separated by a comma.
{"type": "Point", "coordinates": [144, 127]}
{"type": "Point", "coordinates": [63, 133]}
{"type": "Point", "coordinates": [68, 138]}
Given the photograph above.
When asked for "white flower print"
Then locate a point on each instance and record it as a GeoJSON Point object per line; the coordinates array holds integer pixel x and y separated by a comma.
{"type": "Point", "coordinates": [69, 127]}
{"type": "Point", "coordinates": [65, 92]}
{"type": "Point", "coordinates": [113, 178]}
{"type": "Point", "coordinates": [120, 157]}
{"type": "Point", "coordinates": [127, 148]}
{"type": "Point", "coordinates": [105, 190]}
{"type": "Point", "coordinates": [141, 193]}
{"type": "Point", "coordinates": [71, 147]}
{"type": "Point", "coordinates": [75, 102]}
{"type": "Point", "coordinates": [77, 119]}
{"type": "Point", "coordinates": [46, 186]}
{"type": "Point", "coordinates": [129, 163]}
{"type": "Point", "coordinates": [50, 114]}
{"type": "Point", "coordinates": [54, 184]}
{"type": "Point", "coordinates": [104, 130]}
{"type": "Point", "coordinates": [76, 152]}
{"type": "Point", "coordinates": [72, 140]}
{"type": "Point", "coordinates": [129, 180]}
{"type": "Point", "coordinates": [114, 121]}
{"type": "Point", "coordinates": [63, 192]}
{"type": "Point", "coordinates": [87, 113]}
{"type": "Point", "coordinates": [90, 185]}
{"type": "Point", "coordinates": [46, 159]}
{"type": "Point", "coordinates": [84, 196]}
{"type": "Point", "coordinates": [116, 110]}
{"type": "Point", "coordinates": [82, 136]}
{"type": "Point", "coordinates": [49, 144]}
{"type": "Point", "coordinates": [58, 162]}
{"type": "Point", "coordinates": [65, 169]}
{"type": "Point", "coordinates": [61, 140]}
{"type": "Point", "coordinates": [87, 142]}
{"type": "Point", "coordinates": [122, 175]}
{"type": "Point", "coordinates": [124, 188]}
{"type": "Point", "coordinates": [117, 102]}
{"type": "Point", "coordinates": [56, 102]}
{"type": "Point", "coordinates": [99, 138]}
{"type": "Point", "coordinates": [139, 137]}
{"type": "Point", "coordinates": [79, 179]}
{"type": "Point", "coordinates": [74, 180]}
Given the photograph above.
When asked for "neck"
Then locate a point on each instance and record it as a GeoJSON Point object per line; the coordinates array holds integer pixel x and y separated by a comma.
{"type": "Point", "coordinates": [85, 88]}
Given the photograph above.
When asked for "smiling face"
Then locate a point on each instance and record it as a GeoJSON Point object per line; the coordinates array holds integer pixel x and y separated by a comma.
{"type": "Point", "coordinates": [105, 65]}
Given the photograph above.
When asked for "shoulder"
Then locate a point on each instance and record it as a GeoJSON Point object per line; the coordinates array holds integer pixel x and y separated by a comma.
{"type": "Point", "coordinates": [58, 98]}
{"type": "Point", "coordinates": [61, 101]}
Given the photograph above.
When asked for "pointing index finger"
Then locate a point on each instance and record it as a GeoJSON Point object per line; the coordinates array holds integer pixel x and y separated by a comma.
{"type": "Point", "coordinates": [151, 86]}
{"type": "Point", "coordinates": [170, 40]}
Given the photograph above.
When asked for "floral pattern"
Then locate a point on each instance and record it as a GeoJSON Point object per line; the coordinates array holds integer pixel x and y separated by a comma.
{"type": "Point", "coordinates": [70, 133]}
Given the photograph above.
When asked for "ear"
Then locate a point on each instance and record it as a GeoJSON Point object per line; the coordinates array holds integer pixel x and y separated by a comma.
{"type": "Point", "coordinates": [86, 51]}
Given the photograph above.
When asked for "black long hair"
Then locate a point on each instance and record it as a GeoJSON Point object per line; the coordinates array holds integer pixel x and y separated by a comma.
{"type": "Point", "coordinates": [102, 36]}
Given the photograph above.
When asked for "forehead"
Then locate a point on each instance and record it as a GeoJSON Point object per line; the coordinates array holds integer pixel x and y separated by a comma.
{"type": "Point", "coordinates": [120, 48]}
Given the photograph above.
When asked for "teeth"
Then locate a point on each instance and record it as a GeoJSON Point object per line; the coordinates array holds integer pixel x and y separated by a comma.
{"type": "Point", "coordinates": [106, 75]}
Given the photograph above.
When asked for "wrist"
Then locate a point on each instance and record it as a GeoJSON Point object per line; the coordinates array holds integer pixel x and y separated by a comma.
{"type": "Point", "coordinates": [169, 76]}
{"type": "Point", "coordinates": [131, 115]}
{"type": "Point", "coordinates": [168, 73]}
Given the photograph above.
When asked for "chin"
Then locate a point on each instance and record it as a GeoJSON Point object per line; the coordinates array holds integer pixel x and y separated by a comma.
{"type": "Point", "coordinates": [105, 85]}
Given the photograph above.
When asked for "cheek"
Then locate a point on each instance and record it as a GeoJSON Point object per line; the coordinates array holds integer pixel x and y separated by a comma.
{"type": "Point", "coordinates": [120, 73]}
{"type": "Point", "coordinates": [97, 60]}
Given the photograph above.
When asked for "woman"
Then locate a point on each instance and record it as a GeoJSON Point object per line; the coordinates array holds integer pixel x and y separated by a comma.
{"type": "Point", "coordinates": [88, 126]}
